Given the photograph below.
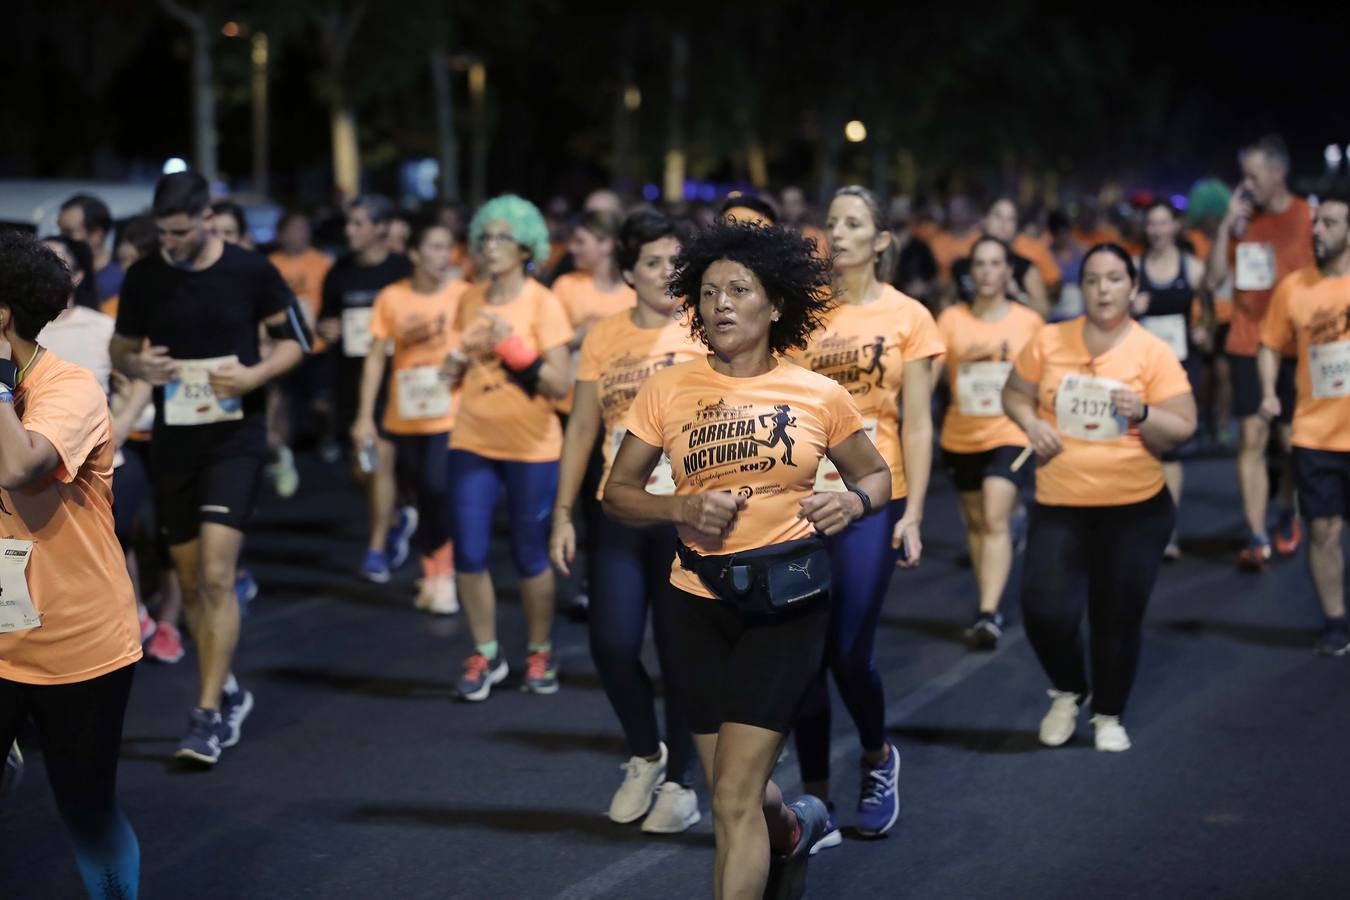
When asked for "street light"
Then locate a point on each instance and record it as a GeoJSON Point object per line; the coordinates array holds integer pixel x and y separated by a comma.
{"type": "Point", "coordinates": [855, 132]}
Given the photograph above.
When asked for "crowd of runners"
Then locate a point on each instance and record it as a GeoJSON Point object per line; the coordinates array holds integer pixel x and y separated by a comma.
{"type": "Point", "coordinates": [722, 424]}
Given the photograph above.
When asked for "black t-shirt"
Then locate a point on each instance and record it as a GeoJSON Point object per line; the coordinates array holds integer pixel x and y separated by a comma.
{"type": "Point", "coordinates": [206, 314]}
{"type": "Point", "coordinates": [966, 284]}
{"type": "Point", "coordinates": [916, 262]}
{"type": "Point", "coordinates": [350, 285]}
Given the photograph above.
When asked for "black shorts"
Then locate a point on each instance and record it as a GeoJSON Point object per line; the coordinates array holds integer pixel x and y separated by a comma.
{"type": "Point", "coordinates": [206, 473]}
{"type": "Point", "coordinates": [969, 470]}
{"type": "Point", "coordinates": [1247, 387]}
{"type": "Point", "coordinates": [733, 668]}
{"type": "Point", "coordinates": [1323, 481]}
{"type": "Point", "coordinates": [347, 397]}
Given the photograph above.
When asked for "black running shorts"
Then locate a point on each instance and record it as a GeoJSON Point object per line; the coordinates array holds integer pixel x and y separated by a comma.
{"type": "Point", "coordinates": [206, 473]}
{"type": "Point", "coordinates": [728, 667]}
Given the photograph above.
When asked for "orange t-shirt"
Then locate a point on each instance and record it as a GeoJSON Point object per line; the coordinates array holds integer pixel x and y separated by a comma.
{"type": "Point", "coordinates": [1114, 472]}
{"type": "Point", "coordinates": [462, 259]}
{"type": "Point", "coordinates": [304, 274]}
{"type": "Point", "coordinates": [1103, 234]}
{"type": "Point", "coordinates": [762, 437]}
{"type": "Point", "coordinates": [1277, 246]}
{"type": "Point", "coordinates": [820, 237]}
{"type": "Point", "coordinates": [978, 359]}
{"type": "Point", "coordinates": [1201, 243]}
{"type": "Point", "coordinates": [422, 327]}
{"type": "Point", "coordinates": [496, 418]}
{"type": "Point", "coordinates": [585, 304]}
{"type": "Point", "coordinates": [1041, 258]}
{"type": "Point", "coordinates": [948, 248]}
{"type": "Point", "coordinates": [109, 307]}
{"type": "Point", "coordinates": [1313, 312]}
{"type": "Point", "coordinates": [864, 347]}
{"type": "Point", "coordinates": [619, 357]}
{"type": "Point", "coordinates": [76, 574]}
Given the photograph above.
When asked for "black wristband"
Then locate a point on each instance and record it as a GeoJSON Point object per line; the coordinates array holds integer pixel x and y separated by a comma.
{"type": "Point", "coordinates": [9, 373]}
{"type": "Point", "coordinates": [1141, 419]}
{"type": "Point", "coordinates": [528, 378]}
{"type": "Point", "coordinates": [862, 495]}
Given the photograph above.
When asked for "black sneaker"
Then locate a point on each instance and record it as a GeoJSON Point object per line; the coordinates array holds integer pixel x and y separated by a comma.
{"type": "Point", "coordinates": [985, 631]}
{"type": "Point", "coordinates": [1335, 641]}
{"type": "Point", "coordinates": [787, 874]}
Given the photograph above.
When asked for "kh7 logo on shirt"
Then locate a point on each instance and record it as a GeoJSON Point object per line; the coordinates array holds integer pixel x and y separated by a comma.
{"type": "Point", "coordinates": [724, 439]}
{"type": "Point", "coordinates": [859, 367]}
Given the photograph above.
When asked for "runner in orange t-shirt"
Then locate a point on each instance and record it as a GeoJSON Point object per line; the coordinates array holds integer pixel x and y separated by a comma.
{"type": "Point", "coordinates": [1025, 282]}
{"type": "Point", "coordinates": [1311, 309]}
{"type": "Point", "coordinates": [618, 356]}
{"type": "Point", "coordinates": [415, 321]}
{"type": "Point", "coordinates": [979, 442]}
{"type": "Point", "coordinates": [1100, 399]}
{"type": "Point", "coordinates": [1265, 235]}
{"type": "Point", "coordinates": [507, 437]}
{"type": "Point", "coordinates": [878, 345]}
{"type": "Point", "coordinates": [747, 618]}
{"type": "Point", "coordinates": [68, 632]}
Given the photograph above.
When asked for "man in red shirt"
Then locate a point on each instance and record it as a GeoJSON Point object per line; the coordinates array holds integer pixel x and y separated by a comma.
{"type": "Point", "coordinates": [1265, 235]}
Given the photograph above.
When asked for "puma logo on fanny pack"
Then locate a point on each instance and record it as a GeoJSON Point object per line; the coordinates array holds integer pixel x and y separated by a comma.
{"type": "Point", "coordinates": [801, 568]}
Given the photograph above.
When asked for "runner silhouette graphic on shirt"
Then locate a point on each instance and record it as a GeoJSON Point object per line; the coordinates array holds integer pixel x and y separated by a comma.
{"type": "Point", "coordinates": [781, 423]}
{"type": "Point", "coordinates": [878, 348]}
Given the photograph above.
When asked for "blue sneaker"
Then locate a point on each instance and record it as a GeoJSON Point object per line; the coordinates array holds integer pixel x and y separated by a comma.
{"type": "Point", "coordinates": [245, 589]}
{"type": "Point", "coordinates": [879, 805]}
{"type": "Point", "coordinates": [375, 567]}
{"type": "Point", "coordinates": [480, 674]}
{"type": "Point", "coordinates": [234, 709]}
{"type": "Point", "coordinates": [787, 874]}
{"type": "Point", "coordinates": [202, 742]}
{"type": "Point", "coordinates": [397, 545]}
{"type": "Point", "coordinates": [832, 837]}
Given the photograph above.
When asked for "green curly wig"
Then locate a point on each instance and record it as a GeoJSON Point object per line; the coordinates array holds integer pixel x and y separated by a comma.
{"type": "Point", "coordinates": [523, 217]}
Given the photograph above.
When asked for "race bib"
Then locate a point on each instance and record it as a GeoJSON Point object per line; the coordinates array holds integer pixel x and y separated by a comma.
{"type": "Point", "coordinates": [827, 475]}
{"type": "Point", "coordinates": [1329, 369]}
{"type": "Point", "coordinates": [979, 388]}
{"type": "Point", "coordinates": [356, 336]}
{"type": "Point", "coordinates": [1171, 330]}
{"type": "Point", "coordinates": [662, 480]}
{"type": "Point", "coordinates": [422, 393]}
{"type": "Point", "coordinates": [16, 606]}
{"type": "Point", "coordinates": [1255, 268]}
{"type": "Point", "coordinates": [190, 399]}
{"type": "Point", "coordinates": [1083, 409]}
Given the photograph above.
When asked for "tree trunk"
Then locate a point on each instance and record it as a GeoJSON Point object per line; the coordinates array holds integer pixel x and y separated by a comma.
{"type": "Point", "coordinates": [346, 152]}
{"type": "Point", "coordinates": [673, 180]}
{"type": "Point", "coordinates": [203, 92]}
{"type": "Point", "coordinates": [445, 126]}
{"type": "Point", "coordinates": [336, 32]}
{"type": "Point", "coordinates": [478, 108]}
{"type": "Point", "coordinates": [261, 140]}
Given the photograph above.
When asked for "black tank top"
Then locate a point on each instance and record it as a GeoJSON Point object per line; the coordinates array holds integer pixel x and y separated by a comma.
{"type": "Point", "coordinates": [1170, 298]}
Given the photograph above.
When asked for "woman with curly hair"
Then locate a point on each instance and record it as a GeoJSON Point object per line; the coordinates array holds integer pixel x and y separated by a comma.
{"type": "Point", "coordinates": [68, 634]}
{"type": "Point", "coordinates": [878, 345]}
{"type": "Point", "coordinates": [749, 601]}
{"type": "Point", "coordinates": [507, 436]}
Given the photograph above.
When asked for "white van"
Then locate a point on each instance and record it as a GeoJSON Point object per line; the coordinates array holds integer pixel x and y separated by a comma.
{"type": "Point", "coordinates": [33, 203]}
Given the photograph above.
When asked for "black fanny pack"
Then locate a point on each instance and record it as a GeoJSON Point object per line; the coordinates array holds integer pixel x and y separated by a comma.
{"type": "Point", "coordinates": [767, 580]}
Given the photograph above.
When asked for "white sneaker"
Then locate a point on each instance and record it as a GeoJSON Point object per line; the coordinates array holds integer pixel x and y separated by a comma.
{"type": "Point", "coordinates": [426, 594]}
{"type": "Point", "coordinates": [1059, 723]}
{"type": "Point", "coordinates": [285, 476]}
{"type": "Point", "coordinates": [1111, 736]}
{"type": "Point", "coordinates": [634, 797]}
{"type": "Point", "coordinates": [675, 810]}
{"type": "Point", "coordinates": [444, 598]}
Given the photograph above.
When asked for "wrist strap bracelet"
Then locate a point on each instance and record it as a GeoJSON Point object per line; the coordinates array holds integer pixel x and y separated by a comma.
{"type": "Point", "coordinates": [1141, 419]}
{"type": "Point", "coordinates": [862, 495]}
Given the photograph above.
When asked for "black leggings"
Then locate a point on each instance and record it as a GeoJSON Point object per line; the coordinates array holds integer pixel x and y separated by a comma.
{"type": "Point", "coordinates": [630, 567]}
{"type": "Point", "coordinates": [80, 729]}
{"type": "Point", "coordinates": [1118, 550]}
{"type": "Point", "coordinates": [420, 465]}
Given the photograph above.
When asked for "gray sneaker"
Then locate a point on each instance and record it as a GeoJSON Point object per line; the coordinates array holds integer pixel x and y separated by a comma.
{"type": "Point", "coordinates": [787, 874]}
{"type": "Point", "coordinates": [13, 772]}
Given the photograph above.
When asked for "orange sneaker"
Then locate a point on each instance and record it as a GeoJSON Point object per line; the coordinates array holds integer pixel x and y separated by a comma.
{"type": "Point", "coordinates": [1255, 557]}
{"type": "Point", "coordinates": [1288, 535]}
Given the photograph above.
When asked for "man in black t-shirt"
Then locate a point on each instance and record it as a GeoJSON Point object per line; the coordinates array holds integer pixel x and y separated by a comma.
{"type": "Point", "coordinates": [188, 323]}
{"type": "Point", "coordinates": [349, 293]}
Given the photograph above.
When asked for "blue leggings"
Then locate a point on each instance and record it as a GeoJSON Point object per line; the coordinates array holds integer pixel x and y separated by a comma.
{"type": "Point", "coordinates": [80, 726]}
{"type": "Point", "coordinates": [862, 561]}
{"type": "Point", "coordinates": [475, 482]}
{"type": "Point", "coordinates": [629, 568]}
